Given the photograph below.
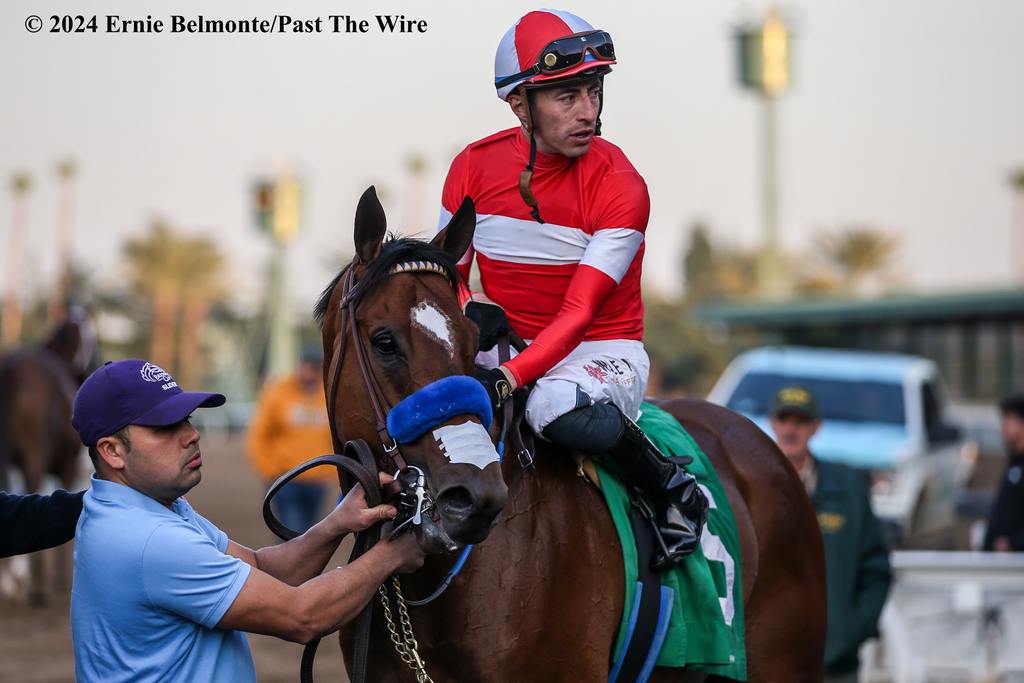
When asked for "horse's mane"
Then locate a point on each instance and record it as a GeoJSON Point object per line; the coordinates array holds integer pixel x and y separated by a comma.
{"type": "Point", "coordinates": [396, 249]}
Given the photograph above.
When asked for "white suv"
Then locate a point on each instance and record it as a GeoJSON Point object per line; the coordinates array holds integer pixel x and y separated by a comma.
{"type": "Point", "coordinates": [883, 413]}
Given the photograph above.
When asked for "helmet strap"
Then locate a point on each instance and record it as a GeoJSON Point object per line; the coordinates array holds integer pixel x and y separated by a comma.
{"type": "Point", "coordinates": [526, 175]}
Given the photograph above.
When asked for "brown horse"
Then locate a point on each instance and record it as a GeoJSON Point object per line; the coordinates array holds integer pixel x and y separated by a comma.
{"type": "Point", "coordinates": [541, 598]}
{"type": "Point", "coordinates": [37, 389]}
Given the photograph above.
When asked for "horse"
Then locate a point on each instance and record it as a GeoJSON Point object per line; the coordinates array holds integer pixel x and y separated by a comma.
{"type": "Point", "coordinates": [37, 390]}
{"type": "Point", "coordinates": [541, 596]}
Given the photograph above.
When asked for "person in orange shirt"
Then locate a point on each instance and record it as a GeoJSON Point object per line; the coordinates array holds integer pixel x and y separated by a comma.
{"type": "Point", "coordinates": [288, 428]}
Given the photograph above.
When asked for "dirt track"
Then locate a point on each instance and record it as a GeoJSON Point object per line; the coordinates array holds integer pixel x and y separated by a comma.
{"type": "Point", "coordinates": [35, 644]}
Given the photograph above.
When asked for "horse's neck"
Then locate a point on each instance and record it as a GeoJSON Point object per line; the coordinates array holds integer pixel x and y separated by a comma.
{"type": "Point", "coordinates": [543, 551]}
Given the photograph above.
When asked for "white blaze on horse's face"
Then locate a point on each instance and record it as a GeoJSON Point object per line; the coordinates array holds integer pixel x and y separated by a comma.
{"type": "Point", "coordinates": [435, 323]}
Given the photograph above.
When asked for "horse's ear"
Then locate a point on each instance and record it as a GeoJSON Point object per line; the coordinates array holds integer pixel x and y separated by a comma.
{"type": "Point", "coordinates": [456, 237]}
{"type": "Point", "coordinates": [371, 224]}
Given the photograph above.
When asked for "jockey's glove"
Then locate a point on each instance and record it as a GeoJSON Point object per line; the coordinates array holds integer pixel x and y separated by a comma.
{"type": "Point", "coordinates": [491, 320]}
{"type": "Point", "coordinates": [499, 384]}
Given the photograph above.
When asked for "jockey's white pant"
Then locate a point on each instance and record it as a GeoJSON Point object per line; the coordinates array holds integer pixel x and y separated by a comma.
{"type": "Point", "coordinates": [612, 371]}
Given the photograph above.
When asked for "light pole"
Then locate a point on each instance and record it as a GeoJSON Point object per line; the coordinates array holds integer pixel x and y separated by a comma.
{"type": "Point", "coordinates": [278, 215]}
{"type": "Point", "coordinates": [764, 58]}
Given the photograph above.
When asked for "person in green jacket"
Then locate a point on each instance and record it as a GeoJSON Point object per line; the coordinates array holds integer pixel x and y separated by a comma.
{"type": "Point", "coordinates": [857, 568]}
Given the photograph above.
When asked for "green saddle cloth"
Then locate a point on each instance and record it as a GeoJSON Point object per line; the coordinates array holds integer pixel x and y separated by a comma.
{"type": "Point", "coordinates": [706, 627]}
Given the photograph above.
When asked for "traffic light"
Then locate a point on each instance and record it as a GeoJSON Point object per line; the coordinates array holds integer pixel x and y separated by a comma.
{"type": "Point", "coordinates": [763, 56]}
{"type": "Point", "coordinates": [277, 208]}
{"type": "Point", "coordinates": [263, 205]}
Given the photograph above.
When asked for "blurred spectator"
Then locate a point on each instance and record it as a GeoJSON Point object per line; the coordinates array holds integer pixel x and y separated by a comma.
{"type": "Point", "coordinates": [1005, 532]}
{"type": "Point", "coordinates": [289, 427]}
{"type": "Point", "coordinates": [856, 558]}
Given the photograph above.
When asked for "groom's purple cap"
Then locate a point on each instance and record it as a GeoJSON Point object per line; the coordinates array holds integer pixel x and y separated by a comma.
{"type": "Point", "coordinates": [133, 392]}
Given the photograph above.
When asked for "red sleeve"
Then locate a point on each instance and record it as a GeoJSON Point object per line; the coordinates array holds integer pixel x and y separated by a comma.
{"type": "Point", "coordinates": [614, 246]}
{"type": "Point", "coordinates": [587, 292]}
{"type": "Point", "coordinates": [456, 188]}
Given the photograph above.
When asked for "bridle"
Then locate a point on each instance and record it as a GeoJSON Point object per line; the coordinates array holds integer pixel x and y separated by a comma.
{"type": "Point", "coordinates": [351, 295]}
{"type": "Point", "coordinates": [357, 460]}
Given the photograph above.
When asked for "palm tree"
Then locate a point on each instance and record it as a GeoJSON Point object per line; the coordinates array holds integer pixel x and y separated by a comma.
{"type": "Point", "coordinates": [857, 253]}
{"type": "Point", "coordinates": [736, 272]}
{"type": "Point", "coordinates": [715, 271]}
{"type": "Point", "coordinates": [10, 320]}
{"type": "Point", "coordinates": [204, 286]}
{"type": "Point", "coordinates": [180, 278]}
{"type": "Point", "coordinates": [66, 172]}
{"type": "Point", "coordinates": [699, 265]}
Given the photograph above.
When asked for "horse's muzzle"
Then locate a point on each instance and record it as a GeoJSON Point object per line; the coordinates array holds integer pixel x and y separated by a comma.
{"type": "Point", "coordinates": [469, 517]}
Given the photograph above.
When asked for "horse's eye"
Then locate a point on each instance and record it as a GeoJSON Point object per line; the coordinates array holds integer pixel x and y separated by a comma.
{"type": "Point", "coordinates": [384, 344]}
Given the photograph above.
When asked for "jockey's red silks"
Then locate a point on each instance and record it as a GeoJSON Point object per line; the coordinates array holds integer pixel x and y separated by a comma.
{"type": "Point", "coordinates": [574, 278]}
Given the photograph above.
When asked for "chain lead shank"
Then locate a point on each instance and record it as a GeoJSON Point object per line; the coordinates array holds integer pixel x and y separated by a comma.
{"type": "Point", "coordinates": [404, 640]}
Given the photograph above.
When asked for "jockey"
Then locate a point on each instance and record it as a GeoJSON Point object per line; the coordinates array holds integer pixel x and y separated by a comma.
{"type": "Point", "coordinates": [560, 254]}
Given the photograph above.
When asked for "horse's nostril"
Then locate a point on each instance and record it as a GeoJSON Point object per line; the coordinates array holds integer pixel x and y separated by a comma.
{"type": "Point", "coordinates": [455, 501]}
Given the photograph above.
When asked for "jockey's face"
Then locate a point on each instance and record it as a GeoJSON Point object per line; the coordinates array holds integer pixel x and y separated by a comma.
{"type": "Point", "coordinates": [564, 117]}
{"type": "Point", "coordinates": [162, 462]}
{"type": "Point", "coordinates": [793, 432]}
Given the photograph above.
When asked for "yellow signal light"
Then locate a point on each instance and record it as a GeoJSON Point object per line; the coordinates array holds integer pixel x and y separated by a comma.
{"type": "Point", "coordinates": [774, 56]}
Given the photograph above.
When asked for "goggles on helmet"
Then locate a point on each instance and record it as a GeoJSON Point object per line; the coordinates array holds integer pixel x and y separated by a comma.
{"type": "Point", "coordinates": [565, 53]}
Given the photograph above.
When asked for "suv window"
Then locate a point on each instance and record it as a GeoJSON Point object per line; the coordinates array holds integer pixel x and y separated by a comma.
{"type": "Point", "coordinates": [938, 431]}
{"type": "Point", "coordinates": [846, 400]}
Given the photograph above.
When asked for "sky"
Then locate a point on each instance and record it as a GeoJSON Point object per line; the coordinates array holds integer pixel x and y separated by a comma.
{"type": "Point", "coordinates": [902, 115]}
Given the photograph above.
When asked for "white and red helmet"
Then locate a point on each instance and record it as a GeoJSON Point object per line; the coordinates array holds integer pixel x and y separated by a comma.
{"type": "Point", "coordinates": [549, 45]}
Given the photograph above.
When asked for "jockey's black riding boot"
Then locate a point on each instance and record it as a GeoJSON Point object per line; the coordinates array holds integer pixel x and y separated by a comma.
{"type": "Point", "coordinates": [680, 506]}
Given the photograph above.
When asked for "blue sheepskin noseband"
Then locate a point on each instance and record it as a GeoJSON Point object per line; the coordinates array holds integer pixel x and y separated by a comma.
{"type": "Point", "coordinates": [435, 403]}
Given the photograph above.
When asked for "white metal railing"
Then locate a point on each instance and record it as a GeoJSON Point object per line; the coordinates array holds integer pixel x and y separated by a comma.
{"type": "Point", "coordinates": [951, 616]}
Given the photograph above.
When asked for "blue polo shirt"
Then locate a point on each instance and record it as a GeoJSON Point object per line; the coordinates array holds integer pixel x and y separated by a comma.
{"type": "Point", "coordinates": [150, 586]}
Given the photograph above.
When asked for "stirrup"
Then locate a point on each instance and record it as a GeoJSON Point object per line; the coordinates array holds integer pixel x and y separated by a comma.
{"type": "Point", "coordinates": [666, 556]}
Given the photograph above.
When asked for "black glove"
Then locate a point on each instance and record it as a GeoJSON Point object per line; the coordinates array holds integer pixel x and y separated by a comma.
{"type": "Point", "coordinates": [491, 320]}
{"type": "Point", "coordinates": [499, 389]}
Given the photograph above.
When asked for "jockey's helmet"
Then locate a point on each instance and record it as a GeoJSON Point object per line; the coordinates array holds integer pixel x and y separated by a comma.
{"type": "Point", "coordinates": [547, 46]}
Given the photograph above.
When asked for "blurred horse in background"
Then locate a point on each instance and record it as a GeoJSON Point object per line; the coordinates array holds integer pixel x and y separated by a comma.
{"type": "Point", "coordinates": [37, 389]}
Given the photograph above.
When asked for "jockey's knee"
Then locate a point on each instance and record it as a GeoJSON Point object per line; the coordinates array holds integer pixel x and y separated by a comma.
{"type": "Point", "coordinates": [591, 429]}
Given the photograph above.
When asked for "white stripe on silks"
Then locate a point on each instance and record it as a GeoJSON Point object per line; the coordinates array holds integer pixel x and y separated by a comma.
{"type": "Point", "coordinates": [445, 218]}
{"type": "Point", "coordinates": [467, 443]}
{"type": "Point", "coordinates": [515, 240]}
{"type": "Point", "coordinates": [612, 250]}
{"type": "Point", "coordinates": [526, 241]}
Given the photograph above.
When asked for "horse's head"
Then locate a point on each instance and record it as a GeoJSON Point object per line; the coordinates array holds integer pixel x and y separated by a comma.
{"type": "Point", "coordinates": [73, 340]}
{"type": "Point", "coordinates": [394, 335]}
